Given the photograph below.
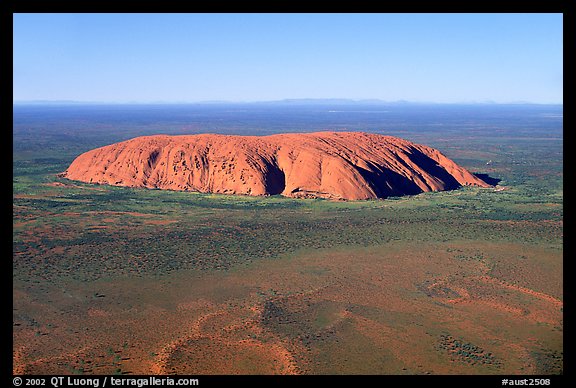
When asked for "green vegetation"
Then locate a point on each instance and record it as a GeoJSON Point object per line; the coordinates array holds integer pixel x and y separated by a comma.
{"type": "Point", "coordinates": [466, 352]}
{"type": "Point", "coordinates": [125, 232]}
{"type": "Point", "coordinates": [324, 278]}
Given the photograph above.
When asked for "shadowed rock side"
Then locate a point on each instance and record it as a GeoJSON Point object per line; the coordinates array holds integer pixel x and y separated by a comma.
{"type": "Point", "coordinates": [339, 165]}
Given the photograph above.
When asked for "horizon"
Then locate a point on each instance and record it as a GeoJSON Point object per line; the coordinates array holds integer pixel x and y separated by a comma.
{"type": "Point", "coordinates": [294, 101]}
{"type": "Point", "coordinates": [251, 58]}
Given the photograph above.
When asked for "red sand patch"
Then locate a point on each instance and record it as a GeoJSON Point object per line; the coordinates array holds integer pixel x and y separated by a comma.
{"type": "Point", "coordinates": [346, 311]}
{"type": "Point", "coordinates": [160, 222]}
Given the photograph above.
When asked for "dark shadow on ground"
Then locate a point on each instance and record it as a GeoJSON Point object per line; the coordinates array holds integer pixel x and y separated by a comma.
{"type": "Point", "coordinates": [387, 183]}
{"type": "Point", "coordinates": [432, 167]}
{"type": "Point", "coordinates": [275, 180]}
{"type": "Point", "coordinates": [488, 179]}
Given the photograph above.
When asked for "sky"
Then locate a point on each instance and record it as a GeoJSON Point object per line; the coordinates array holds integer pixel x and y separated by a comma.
{"type": "Point", "coordinates": [140, 58]}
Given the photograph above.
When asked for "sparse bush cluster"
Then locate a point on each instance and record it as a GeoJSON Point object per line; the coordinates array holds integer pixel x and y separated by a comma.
{"type": "Point", "coordinates": [459, 350]}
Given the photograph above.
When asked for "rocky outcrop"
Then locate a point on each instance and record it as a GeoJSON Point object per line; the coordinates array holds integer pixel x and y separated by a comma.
{"type": "Point", "coordinates": [339, 165]}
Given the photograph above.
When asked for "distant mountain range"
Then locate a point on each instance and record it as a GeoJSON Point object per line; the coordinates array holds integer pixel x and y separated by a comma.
{"type": "Point", "coordinates": [292, 101]}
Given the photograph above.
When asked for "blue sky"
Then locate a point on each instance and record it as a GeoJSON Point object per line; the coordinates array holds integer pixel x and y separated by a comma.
{"type": "Point", "coordinates": [259, 57]}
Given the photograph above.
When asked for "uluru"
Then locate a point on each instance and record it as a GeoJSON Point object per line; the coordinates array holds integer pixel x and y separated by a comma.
{"type": "Point", "coordinates": [334, 165]}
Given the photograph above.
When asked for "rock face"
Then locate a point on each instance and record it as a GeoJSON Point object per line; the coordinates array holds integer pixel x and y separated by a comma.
{"type": "Point", "coordinates": [338, 165]}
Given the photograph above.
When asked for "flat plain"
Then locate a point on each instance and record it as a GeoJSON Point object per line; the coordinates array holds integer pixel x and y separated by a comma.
{"type": "Point", "coordinates": [136, 281]}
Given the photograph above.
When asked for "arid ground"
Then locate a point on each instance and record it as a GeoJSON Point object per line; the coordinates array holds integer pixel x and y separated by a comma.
{"type": "Point", "coordinates": [113, 280]}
